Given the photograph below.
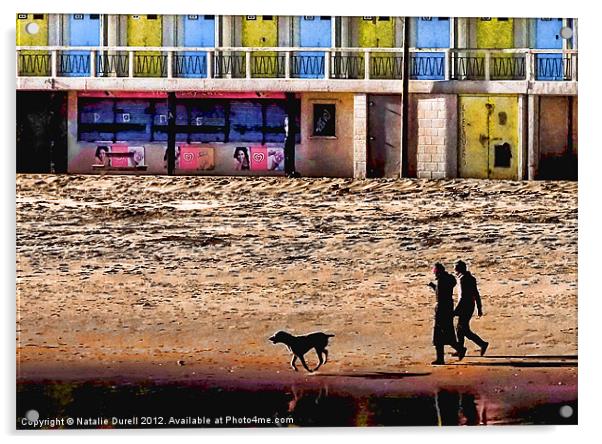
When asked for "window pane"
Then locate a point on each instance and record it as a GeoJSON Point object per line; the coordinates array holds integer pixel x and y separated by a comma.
{"type": "Point", "coordinates": [246, 121]}
{"type": "Point", "coordinates": [133, 120]}
{"type": "Point", "coordinates": [95, 119]}
{"type": "Point", "coordinates": [160, 122]}
{"type": "Point", "coordinates": [207, 121]}
{"type": "Point", "coordinates": [275, 113]}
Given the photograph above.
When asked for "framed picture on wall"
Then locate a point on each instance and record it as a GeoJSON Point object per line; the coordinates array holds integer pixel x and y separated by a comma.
{"type": "Point", "coordinates": [324, 120]}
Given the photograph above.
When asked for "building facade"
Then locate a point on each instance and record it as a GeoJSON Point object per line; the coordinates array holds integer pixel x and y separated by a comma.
{"type": "Point", "coordinates": [318, 96]}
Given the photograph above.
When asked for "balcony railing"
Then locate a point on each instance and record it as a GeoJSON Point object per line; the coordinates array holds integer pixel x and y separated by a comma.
{"type": "Point", "coordinates": [297, 63]}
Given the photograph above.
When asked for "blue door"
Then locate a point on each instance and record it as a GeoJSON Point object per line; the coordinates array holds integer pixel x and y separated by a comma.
{"type": "Point", "coordinates": [199, 31]}
{"type": "Point", "coordinates": [547, 36]}
{"type": "Point", "coordinates": [84, 30]}
{"type": "Point", "coordinates": [431, 32]}
{"type": "Point", "coordinates": [315, 33]}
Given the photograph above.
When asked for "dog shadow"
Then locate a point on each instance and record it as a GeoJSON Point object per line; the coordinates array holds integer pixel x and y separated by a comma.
{"type": "Point", "coordinates": [376, 375]}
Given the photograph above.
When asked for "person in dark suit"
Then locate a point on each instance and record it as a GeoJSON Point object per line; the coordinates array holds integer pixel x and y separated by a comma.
{"type": "Point", "coordinates": [443, 330]}
{"type": "Point", "coordinates": [469, 297]}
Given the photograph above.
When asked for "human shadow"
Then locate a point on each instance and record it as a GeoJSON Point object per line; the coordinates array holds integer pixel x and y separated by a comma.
{"type": "Point", "coordinates": [531, 356]}
{"type": "Point", "coordinates": [538, 364]}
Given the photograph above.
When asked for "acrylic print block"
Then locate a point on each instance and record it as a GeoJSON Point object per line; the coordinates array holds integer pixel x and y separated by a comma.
{"type": "Point", "coordinates": [257, 221]}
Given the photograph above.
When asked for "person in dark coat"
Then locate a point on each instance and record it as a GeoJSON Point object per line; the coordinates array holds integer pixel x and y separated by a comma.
{"type": "Point", "coordinates": [443, 330]}
{"type": "Point", "coordinates": [469, 297]}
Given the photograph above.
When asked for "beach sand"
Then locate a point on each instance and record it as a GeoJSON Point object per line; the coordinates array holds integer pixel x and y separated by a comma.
{"type": "Point", "coordinates": [119, 278]}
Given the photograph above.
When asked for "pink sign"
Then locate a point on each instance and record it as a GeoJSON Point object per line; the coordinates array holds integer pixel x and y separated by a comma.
{"type": "Point", "coordinates": [231, 95]}
{"type": "Point", "coordinates": [193, 157]}
{"type": "Point", "coordinates": [259, 158]}
{"type": "Point", "coordinates": [188, 157]}
{"type": "Point", "coordinates": [117, 160]}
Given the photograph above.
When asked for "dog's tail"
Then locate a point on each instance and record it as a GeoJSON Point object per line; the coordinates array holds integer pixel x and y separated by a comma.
{"type": "Point", "coordinates": [328, 335]}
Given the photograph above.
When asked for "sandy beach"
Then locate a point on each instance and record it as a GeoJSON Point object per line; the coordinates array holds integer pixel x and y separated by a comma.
{"type": "Point", "coordinates": [119, 278]}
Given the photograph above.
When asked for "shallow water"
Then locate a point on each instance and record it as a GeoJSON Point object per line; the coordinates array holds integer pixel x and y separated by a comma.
{"type": "Point", "coordinates": [96, 405]}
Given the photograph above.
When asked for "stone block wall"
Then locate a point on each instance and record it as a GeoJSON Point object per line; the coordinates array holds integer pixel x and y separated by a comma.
{"type": "Point", "coordinates": [436, 148]}
{"type": "Point", "coordinates": [360, 131]}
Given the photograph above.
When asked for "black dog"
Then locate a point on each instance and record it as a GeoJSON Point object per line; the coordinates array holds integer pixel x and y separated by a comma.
{"type": "Point", "coordinates": [299, 345]}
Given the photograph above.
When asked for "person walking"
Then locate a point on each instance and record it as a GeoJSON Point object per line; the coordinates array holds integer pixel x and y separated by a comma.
{"type": "Point", "coordinates": [443, 330]}
{"type": "Point", "coordinates": [469, 297]}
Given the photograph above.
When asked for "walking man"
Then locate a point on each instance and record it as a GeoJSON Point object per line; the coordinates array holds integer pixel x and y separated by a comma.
{"type": "Point", "coordinates": [469, 296]}
{"type": "Point", "coordinates": [443, 331]}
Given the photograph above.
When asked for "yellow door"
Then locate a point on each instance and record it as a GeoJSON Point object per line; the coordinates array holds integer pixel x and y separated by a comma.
{"type": "Point", "coordinates": [261, 31]}
{"type": "Point", "coordinates": [495, 33]}
{"type": "Point", "coordinates": [378, 32]}
{"type": "Point", "coordinates": [32, 30]}
{"type": "Point", "coordinates": [503, 137]}
{"type": "Point", "coordinates": [488, 137]}
{"type": "Point", "coordinates": [146, 30]}
{"type": "Point", "coordinates": [473, 152]}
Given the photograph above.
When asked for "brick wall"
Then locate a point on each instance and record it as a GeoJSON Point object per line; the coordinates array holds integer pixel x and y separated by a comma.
{"type": "Point", "coordinates": [436, 138]}
{"type": "Point", "coordinates": [360, 119]}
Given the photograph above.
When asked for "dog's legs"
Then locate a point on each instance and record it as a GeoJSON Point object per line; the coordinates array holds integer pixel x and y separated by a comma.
{"type": "Point", "coordinates": [304, 364]}
{"type": "Point", "coordinates": [325, 355]}
{"type": "Point", "coordinates": [293, 363]}
{"type": "Point", "coordinates": [319, 353]}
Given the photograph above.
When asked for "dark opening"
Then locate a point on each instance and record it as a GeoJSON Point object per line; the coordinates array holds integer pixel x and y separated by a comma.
{"type": "Point", "coordinates": [503, 155]}
{"type": "Point", "coordinates": [38, 16]}
{"type": "Point", "coordinates": [94, 16]}
{"type": "Point", "coordinates": [209, 17]}
{"type": "Point", "coordinates": [151, 17]}
{"type": "Point", "coordinates": [383, 19]}
{"type": "Point", "coordinates": [268, 17]}
{"type": "Point", "coordinates": [41, 132]}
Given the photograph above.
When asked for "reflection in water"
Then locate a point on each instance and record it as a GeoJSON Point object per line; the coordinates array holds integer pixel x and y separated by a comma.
{"type": "Point", "coordinates": [458, 409]}
{"type": "Point", "coordinates": [315, 405]}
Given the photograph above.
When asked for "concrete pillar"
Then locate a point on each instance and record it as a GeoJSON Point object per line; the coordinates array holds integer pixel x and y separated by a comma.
{"type": "Point", "coordinates": [522, 137]}
{"type": "Point", "coordinates": [360, 130]}
{"type": "Point", "coordinates": [113, 30]}
{"type": "Point", "coordinates": [533, 136]}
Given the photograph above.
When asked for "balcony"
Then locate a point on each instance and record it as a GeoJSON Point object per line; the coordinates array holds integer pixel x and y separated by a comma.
{"type": "Point", "coordinates": [291, 69]}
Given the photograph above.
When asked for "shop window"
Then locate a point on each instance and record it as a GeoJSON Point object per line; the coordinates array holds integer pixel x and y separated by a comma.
{"type": "Point", "coordinates": [95, 121]}
{"type": "Point", "coordinates": [113, 120]}
{"type": "Point", "coordinates": [246, 121]}
{"type": "Point", "coordinates": [207, 121]}
{"type": "Point", "coordinates": [324, 120]}
{"type": "Point", "coordinates": [275, 114]}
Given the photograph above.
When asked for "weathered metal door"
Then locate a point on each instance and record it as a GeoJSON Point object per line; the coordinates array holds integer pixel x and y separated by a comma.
{"type": "Point", "coordinates": [384, 136]}
{"type": "Point", "coordinates": [261, 31]}
{"type": "Point", "coordinates": [431, 32]}
{"type": "Point", "coordinates": [84, 30]}
{"type": "Point", "coordinates": [495, 32]}
{"type": "Point", "coordinates": [315, 32]}
{"type": "Point", "coordinates": [376, 32]}
{"type": "Point", "coordinates": [146, 30]}
{"type": "Point", "coordinates": [32, 30]}
{"type": "Point", "coordinates": [199, 31]}
{"type": "Point", "coordinates": [547, 36]}
{"type": "Point", "coordinates": [488, 137]}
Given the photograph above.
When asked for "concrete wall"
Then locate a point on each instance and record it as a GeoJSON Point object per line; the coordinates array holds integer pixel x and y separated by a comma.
{"type": "Point", "coordinates": [326, 156]}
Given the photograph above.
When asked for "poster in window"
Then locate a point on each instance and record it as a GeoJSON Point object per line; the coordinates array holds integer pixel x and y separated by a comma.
{"type": "Point", "coordinates": [259, 158]}
{"type": "Point", "coordinates": [276, 159]}
{"type": "Point", "coordinates": [198, 158]}
{"type": "Point", "coordinates": [241, 158]}
{"type": "Point", "coordinates": [324, 119]}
